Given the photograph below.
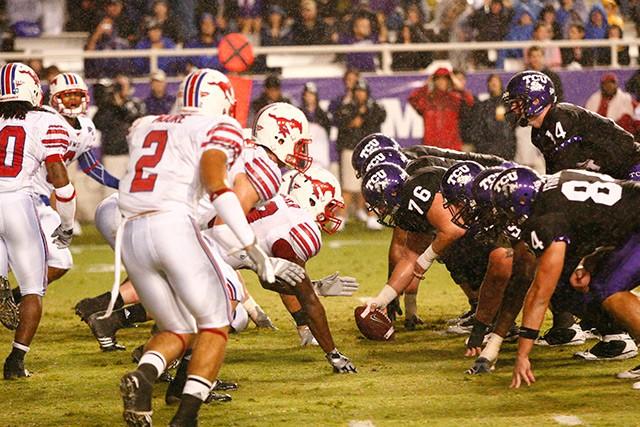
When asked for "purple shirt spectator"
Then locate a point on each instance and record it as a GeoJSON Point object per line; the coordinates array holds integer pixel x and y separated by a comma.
{"type": "Point", "coordinates": [155, 39]}
{"type": "Point", "coordinates": [309, 29]}
{"type": "Point", "coordinates": [159, 101]}
{"type": "Point", "coordinates": [361, 35]}
{"type": "Point", "coordinates": [208, 37]}
{"type": "Point", "coordinates": [275, 31]}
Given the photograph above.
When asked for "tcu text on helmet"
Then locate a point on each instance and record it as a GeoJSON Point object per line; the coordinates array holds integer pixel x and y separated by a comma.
{"type": "Point", "coordinates": [377, 180]}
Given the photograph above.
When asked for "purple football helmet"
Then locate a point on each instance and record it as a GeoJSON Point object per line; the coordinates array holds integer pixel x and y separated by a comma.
{"type": "Point", "coordinates": [527, 94]}
{"type": "Point", "coordinates": [384, 155]}
{"type": "Point", "coordinates": [382, 188]}
{"type": "Point", "coordinates": [514, 192]}
{"type": "Point", "coordinates": [367, 146]}
{"type": "Point", "coordinates": [488, 222]}
{"type": "Point", "coordinates": [456, 188]}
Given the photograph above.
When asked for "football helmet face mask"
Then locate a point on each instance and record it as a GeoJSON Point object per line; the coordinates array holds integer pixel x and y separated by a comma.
{"type": "Point", "coordinates": [284, 130]}
{"type": "Point", "coordinates": [382, 190]}
{"type": "Point", "coordinates": [66, 84]}
{"type": "Point", "coordinates": [527, 94]}
{"type": "Point", "coordinates": [513, 193]}
{"type": "Point", "coordinates": [456, 188]}
{"type": "Point", "coordinates": [366, 147]}
{"type": "Point", "coordinates": [318, 192]}
{"type": "Point", "coordinates": [208, 92]}
{"type": "Point", "coordinates": [18, 82]}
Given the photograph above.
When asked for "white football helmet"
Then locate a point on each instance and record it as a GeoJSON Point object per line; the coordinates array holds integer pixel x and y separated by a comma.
{"type": "Point", "coordinates": [207, 92]}
{"type": "Point", "coordinates": [18, 82]}
{"type": "Point", "coordinates": [284, 129]}
{"type": "Point", "coordinates": [67, 83]}
{"type": "Point", "coordinates": [318, 192]}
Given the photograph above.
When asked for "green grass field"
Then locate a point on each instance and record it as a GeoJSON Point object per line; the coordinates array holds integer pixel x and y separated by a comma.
{"type": "Point", "coordinates": [417, 380]}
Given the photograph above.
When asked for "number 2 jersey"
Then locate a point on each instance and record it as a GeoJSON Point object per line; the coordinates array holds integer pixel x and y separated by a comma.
{"type": "Point", "coordinates": [26, 144]}
{"type": "Point", "coordinates": [164, 164]}
{"type": "Point", "coordinates": [574, 138]}
{"type": "Point", "coordinates": [81, 140]}
{"type": "Point", "coordinates": [585, 209]}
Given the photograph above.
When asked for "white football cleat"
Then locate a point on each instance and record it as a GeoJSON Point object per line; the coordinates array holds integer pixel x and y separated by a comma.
{"type": "Point", "coordinates": [573, 335]}
{"type": "Point", "coordinates": [631, 374]}
{"type": "Point", "coordinates": [612, 347]}
{"type": "Point", "coordinates": [306, 336]}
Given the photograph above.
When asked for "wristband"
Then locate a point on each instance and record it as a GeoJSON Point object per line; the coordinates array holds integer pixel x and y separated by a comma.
{"type": "Point", "coordinates": [386, 295]}
{"type": "Point", "coordinates": [426, 258]}
{"type": "Point", "coordinates": [478, 332]}
{"type": "Point", "coordinates": [528, 333]}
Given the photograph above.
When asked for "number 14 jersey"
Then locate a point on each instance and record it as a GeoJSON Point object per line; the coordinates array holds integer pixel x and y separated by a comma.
{"type": "Point", "coordinates": [585, 209]}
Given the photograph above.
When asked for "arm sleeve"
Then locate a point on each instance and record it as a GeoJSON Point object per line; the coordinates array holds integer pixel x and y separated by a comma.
{"type": "Point", "coordinates": [55, 141]}
{"type": "Point", "coordinates": [92, 167]}
{"type": "Point", "coordinates": [265, 177]}
{"type": "Point", "coordinates": [225, 136]}
{"type": "Point", "coordinates": [305, 240]}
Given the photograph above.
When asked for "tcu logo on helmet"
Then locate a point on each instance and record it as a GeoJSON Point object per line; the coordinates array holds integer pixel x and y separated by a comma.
{"type": "Point", "coordinates": [378, 180]}
{"type": "Point", "coordinates": [284, 124]}
{"type": "Point", "coordinates": [486, 183]}
{"type": "Point", "coordinates": [504, 184]}
{"type": "Point", "coordinates": [460, 175]}
{"type": "Point", "coordinates": [372, 146]}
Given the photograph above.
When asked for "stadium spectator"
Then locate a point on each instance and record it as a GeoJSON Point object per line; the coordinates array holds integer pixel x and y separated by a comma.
{"type": "Point", "coordinates": [249, 15]}
{"type": "Point", "coordinates": [596, 29]}
{"type": "Point", "coordinates": [615, 32]}
{"type": "Point", "coordinates": [612, 12]}
{"type": "Point", "coordinates": [569, 13]}
{"type": "Point", "coordinates": [412, 31]}
{"type": "Point", "coordinates": [272, 93]}
{"type": "Point", "coordinates": [542, 33]}
{"type": "Point", "coordinates": [155, 39]}
{"type": "Point", "coordinates": [489, 23]}
{"type": "Point", "coordinates": [439, 104]}
{"type": "Point", "coordinates": [534, 6]}
{"type": "Point", "coordinates": [161, 13]}
{"type": "Point", "coordinates": [309, 28]}
{"type": "Point", "coordinates": [459, 82]}
{"type": "Point", "coordinates": [349, 79]}
{"type": "Point", "coordinates": [276, 31]}
{"type": "Point", "coordinates": [24, 17]}
{"type": "Point", "coordinates": [319, 126]}
{"type": "Point", "coordinates": [184, 12]}
{"type": "Point", "coordinates": [521, 29]}
{"type": "Point", "coordinates": [492, 132]}
{"type": "Point", "coordinates": [548, 16]}
{"type": "Point", "coordinates": [224, 12]}
{"type": "Point", "coordinates": [361, 34]}
{"type": "Point", "coordinates": [583, 57]}
{"type": "Point", "coordinates": [612, 102]}
{"type": "Point", "coordinates": [116, 112]}
{"type": "Point", "coordinates": [355, 120]}
{"type": "Point", "coordinates": [159, 101]}
{"type": "Point", "coordinates": [536, 61]}
{"type": "Point", "coordinates": [110, 34]}
{"type": "Point", "coordinates": [53, 16]}
{"type": "Point", "coordinates": [209, 36]}
{"type": "Point", "coordinates": [83, 15]}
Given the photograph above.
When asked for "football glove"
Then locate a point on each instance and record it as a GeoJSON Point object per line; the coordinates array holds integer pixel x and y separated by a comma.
{"type": "Point", "coordinates": [287, 271]}
{"type": "Point", "coordinates": [478, 332]}
{"type": "Point", "coordinates": [481, 366]}
{"type": "Point", "coordinates": [61, 237]}
{"type": "Point", "coordinates": [341, 363]}
{"type": "Point", "coordinates": [262, 264]}
{"type": "Point", "coordinates": [394, 310]}
{"type": "Point", "coordinates": [335, 285]}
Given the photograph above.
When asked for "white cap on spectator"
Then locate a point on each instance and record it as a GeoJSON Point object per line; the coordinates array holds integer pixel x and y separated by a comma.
{"type": "Point", "coordinates": [159, 76]}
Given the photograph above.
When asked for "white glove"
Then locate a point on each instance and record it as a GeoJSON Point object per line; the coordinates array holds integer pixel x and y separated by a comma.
{"type": "Point", "coordinates": [340, 363]}
{"type": "Point", "coordinates": [61, 237]}
{"type": "Point", "coordinates": [263, 267]}
{"type": "Point", "coordinates": [336, 286]}
{"type": "Point", "coordinates": [386, 295]}
{"type": "Point", "coordinates": [287, 271]}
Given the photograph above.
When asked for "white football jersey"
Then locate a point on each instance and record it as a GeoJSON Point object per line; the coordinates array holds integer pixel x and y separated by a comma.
{"type": "Point", "coordinates": [26, 144]}
{"type": "Point", "coordinates": [263, 173]}
{"type": "Point", "coordinates": [82, 140]}
{"type": "Point", "coordinates": [279, 219]}
{"type": "Point", "coordinates": [164, 160]}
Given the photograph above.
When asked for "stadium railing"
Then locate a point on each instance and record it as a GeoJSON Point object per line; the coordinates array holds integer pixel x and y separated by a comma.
{"type": "Point", "coordinates": [385, 49]}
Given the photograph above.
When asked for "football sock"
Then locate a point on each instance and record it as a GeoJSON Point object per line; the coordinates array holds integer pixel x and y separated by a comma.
{"type": "Point", "coordinates": [17, 296]}
{"type": "Point", "coordinates": [152, 364]}
{"type": "Point", "coordinates": [410, 305]}
{"type": "Point", "coordinates": [300, 317]}
{"type": "Point", "coordinates": [102, 301]}
{"type": "Point", "coordinates": [562, 319]}
{"type": "Point", "coordinates": [18, 351]}
{"type": "Point", "coordinates": [189, 407]}
{"type": "Point", "coordinates": [197, 386]}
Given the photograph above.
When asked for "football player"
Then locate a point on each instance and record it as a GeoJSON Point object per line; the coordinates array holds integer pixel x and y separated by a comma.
{"type": "Point", "coordinates": [579, 210]}
{"type": "Point", "coordinates": [173, 160]}
{"type": "Point", "coordinates": [29, 138]}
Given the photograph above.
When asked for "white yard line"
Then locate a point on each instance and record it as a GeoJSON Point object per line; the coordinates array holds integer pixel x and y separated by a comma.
{"type": "Point", "coordinates": [568, 420]}
{"type": "Point", "coordinates": [78, 249]}
{"type": "Point", "coordinates": [361, 423]}
{"type": "Point", "coordinates": [337, 244]}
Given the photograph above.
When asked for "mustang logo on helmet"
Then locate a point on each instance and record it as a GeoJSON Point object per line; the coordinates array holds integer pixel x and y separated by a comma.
{"type": "Point", "coordinates": [321, 187]}
{"type": "Point", "coordinates": [284, 124]}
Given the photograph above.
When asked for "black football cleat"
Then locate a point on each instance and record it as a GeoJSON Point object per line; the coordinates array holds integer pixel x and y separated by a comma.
{"type": "Point", "coordinates": [178, 421]}
{"type": "Point", "coordinates": [136, 392]}
{"type": "Point", "coordinates": [222, 385]}
{"type": "Point", "coordinates": [104, 330]}
{"type": "Point", "coordinates": [411, 323]}
{"type": "Point", "coordinates": [14, 369]}
{"type": "Point", "coordinates": [217, 397]}
{"type": "Point", "coordinates": [9, 312]}
{"type": "Point", "coordinates": [86, 307]}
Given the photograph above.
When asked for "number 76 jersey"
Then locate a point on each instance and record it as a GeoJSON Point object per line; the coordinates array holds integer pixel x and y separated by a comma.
{"type": "Point", "coordinates": [164, 160]}
{"type": "Point", "coordinates": [584, 209]}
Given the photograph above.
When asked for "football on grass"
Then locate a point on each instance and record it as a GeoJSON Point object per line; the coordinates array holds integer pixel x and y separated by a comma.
{"type": "Point", "coordinates": [375, 325]}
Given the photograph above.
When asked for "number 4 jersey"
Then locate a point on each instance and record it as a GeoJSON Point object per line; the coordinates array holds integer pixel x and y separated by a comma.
{"type": "Point", "coordinates": [26, 144]}
{"type": "Point", "coordinates": [585, 209]}
{"type": "Point", "coordinates": [164, 164]}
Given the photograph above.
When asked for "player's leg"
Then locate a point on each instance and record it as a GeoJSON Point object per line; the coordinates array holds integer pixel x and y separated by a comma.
{"type": "Point", "coordinates": [9, 313]}
{"type": "Point", "coordinates": [26, 251]}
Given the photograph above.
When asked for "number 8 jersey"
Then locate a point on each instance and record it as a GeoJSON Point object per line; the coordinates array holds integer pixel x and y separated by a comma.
{"type": "Point", "coordinates": [164, 164]}
{"type": "Point", "coordinates": [26, 144]}
{"type": "Point", "coordinates": [585, 209]}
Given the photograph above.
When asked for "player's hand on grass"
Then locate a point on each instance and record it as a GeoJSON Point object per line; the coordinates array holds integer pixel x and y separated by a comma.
{"type": "Point", "coordinates": [61, 237]}
{"type": "Point", "coordinates": [475, 340]}
{"type": "Point", "coordinates": [522, 372]}
{"type": "Point", "coordinates": [481, 365]}
{"type": "Point", "coordinates": [473, 351]}
{"type": "Point", "coordinates": [341, 363]}
{"type": "Point", "coordinates": [263, 267]}
{"type": "Point", "coordinates": [335, 285]}
{"type": "Point", "coordinates": [288, 272]}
